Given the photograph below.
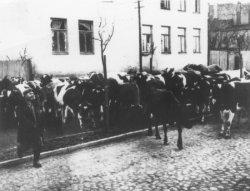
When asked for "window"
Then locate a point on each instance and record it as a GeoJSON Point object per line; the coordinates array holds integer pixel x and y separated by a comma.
{"type": "Point", "coordinates": [197, 40]}
{"type": "Point", "coordinates": [197, 6]}
{"type": "Point", "coordinates": [182, 39]}
{"type": "Point", "coordinates": [146, 38]}
{"type": "Point", "coordinates": [59, 36]}
{"type": "Point", "coordinates": [165, 4]}
{"type": "Point", "coordinates": [182, 6]}
{"type": "Point", "coordinates": [86, 37]}
{"type": "Point", "coordinates": [165, 40]}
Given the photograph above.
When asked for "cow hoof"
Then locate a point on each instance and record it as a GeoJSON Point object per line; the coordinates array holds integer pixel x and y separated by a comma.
{"type": "Point", "coordinates": [158, 137]}
{"type": "Point", "coordinates": [221, 135]}
{"type": "Point", "coordinates": [180, 147]}
{"type": "Point", "coordinates": [166, 143]}
{"type": "Point", "coordinates": [150, 133]}
{"type": "Point", "coordinates": [227, 136]}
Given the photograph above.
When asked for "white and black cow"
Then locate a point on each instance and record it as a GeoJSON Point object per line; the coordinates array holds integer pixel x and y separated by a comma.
{"type": "Point", "coordinates": [162, 105]}
{"type": "Point", "coordinates": [124, 99]}
{"type": "Point", "coordinates": [190, 88]}
{"type": "Point", "coordinates": [225, 96]}
{"type": "Point", "coordinates": [80, 98]}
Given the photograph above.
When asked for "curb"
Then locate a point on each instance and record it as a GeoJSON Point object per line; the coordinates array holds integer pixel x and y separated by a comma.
{"type": "Point", "coordinates": [70, 149]}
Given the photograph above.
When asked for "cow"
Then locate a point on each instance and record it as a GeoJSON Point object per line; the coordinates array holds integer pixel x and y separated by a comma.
{"type": "Point", "coordinates": [204, 70]}
{"type": "Point", "coordinates": [226, 101]}
{"type": "Point", "coordinates": [9, 99]}
{"type": "Point", "coordinates": [189, 87]}
{"type": "Point", "coordinates": [162, 105]}
{"type": "Point", "coordinates": [80, 97]}
{"type": "Point", "coordinates": [123, 96]}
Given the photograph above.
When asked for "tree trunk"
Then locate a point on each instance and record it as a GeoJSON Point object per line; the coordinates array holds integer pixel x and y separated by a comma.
{"type": "Point", "coordinates": [241, 65]}
{"type": "Point", "coordinates": [151, 63]}
{"type": "Point", "coordinates": [106, 101]}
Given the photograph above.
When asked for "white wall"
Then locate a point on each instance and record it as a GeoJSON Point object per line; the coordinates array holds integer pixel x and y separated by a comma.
{"type": "Point", "coordinates": [26, 24]}
{"type": "Point", "coordinates": [153, 15]}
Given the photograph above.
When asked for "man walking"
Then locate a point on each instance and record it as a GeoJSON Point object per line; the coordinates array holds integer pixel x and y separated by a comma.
{"type": "Point", "coordinates": [30, 129]}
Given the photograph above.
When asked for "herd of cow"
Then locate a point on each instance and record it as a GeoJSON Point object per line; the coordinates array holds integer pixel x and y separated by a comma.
{"type": "Point", "coordinates": [168, 97]}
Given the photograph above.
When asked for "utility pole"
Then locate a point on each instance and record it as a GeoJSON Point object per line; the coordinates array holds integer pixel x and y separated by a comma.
{"type": "Point", "coordinates": [139, 23]}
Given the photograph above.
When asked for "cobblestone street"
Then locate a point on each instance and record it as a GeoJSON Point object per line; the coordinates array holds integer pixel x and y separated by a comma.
{"type": "Point", "coordinates": [144, 163]}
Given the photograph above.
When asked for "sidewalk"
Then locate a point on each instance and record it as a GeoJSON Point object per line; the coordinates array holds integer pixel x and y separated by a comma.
{"type": "Point", "coordinates": [69, 149]}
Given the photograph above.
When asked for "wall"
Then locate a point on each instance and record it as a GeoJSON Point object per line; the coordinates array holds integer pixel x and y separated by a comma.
{"type": "Point", "coordinates": [26, 24]}
{"type": "Point", "coordinates": [153, 15]}
{"type": "Point", "coordinates": [228, 11]}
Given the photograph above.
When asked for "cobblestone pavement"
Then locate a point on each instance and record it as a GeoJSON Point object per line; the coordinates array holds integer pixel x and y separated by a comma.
{"type": "Point", "coordinates": [144, 163]}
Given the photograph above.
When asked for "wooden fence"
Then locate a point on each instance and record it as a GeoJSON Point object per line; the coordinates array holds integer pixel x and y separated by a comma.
{"type": "Point", "coordinates": [16, 68]}
{"type": "Point", "coordinates": [223, 59]}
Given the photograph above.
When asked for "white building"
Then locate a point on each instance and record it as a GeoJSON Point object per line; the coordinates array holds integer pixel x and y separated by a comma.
{"type": "Point", "coordinates": [57, 34]}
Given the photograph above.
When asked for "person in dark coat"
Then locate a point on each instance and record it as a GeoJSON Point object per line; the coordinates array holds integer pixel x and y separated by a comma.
{"type": "Point", "coordinates": [30, 129]}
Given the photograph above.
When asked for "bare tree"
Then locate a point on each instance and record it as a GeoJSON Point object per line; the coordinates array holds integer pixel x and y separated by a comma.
{"type": "Point", "coordinates": [104, 37]}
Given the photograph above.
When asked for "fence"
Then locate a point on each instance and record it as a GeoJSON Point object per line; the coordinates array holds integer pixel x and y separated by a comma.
{"type": "Point", "coordinates": [16, 68]}
{"type": "Point", "coordinates": [224, 59]}
{"type": "Point", "coordinates": [229, 60]}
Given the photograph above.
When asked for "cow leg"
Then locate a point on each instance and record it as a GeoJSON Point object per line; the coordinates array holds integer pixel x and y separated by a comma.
{"type": "Point", "coordinates": [165, 134]}
{"type": "Point", "coordinates": [101, 113]}
{"type": "Point", "coordinates": [150, 131]}
{"type": "Point", "coordinates": [197, 109]}
{"type": "Point", "coordinates": [80, 119]}
{"type": "Point", "coordinates": [223, 119]}
{"type": "Point", "coordinates": [203, 113]}
{"type": "Point", "coordinates": [157, 134]}
{"type": "Point", "coordinates": [179, 141]}
{"type": "Point", "coordinates": [229, 124]}
{"type": "Point", "coordinates": [239, 112]}
{"type": "Point", "coordinates": [66, 113]}
{"type": "Point", "coordinates": [94, 117]}
{"type": "Point", "coordinates": [76, 119]}
{"type": "Point", "coordinates": [63, 114]}
{"type": "Point", "coordinates": [60, 120]}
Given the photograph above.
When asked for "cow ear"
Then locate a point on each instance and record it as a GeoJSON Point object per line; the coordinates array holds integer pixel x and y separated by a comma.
{"type": "Point", "coordinates": [119, 76]}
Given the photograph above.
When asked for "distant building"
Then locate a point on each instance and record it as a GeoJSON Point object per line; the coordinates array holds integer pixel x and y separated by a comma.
{"type": "Point", "coordinates": [59, 34]}
{"type": "Point", "coordinates": [229, 34]}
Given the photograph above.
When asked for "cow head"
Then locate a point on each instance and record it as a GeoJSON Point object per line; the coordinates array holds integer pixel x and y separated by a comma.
{"type": "Point", "coordinates": [247, 75]}
{"type": "Point", "coordinates": [97, 78]}
{"type": "Point", "coordinates": [175, 82]}
{"type": "Point", "coordinates": [45, 79]}
{"type": "Point", "coordinates": [126, 78]}
{"type": "Point", "coordinates": [6, 83]}
{"type": "Point", "coordinates": [17, 80]}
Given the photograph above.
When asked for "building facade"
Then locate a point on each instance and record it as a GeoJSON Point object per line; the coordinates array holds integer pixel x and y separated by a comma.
{"type": "Point", "coordinates": [61, 36]}
{"type": "Point", "coordinates": [229, 35]}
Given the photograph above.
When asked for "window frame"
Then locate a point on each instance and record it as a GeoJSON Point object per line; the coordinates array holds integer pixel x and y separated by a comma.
{"type": "Point", "coordinates": [180, 36]}
{"type": "Point", "coordinates": [58, 52]}
{"type": "Point", "coordinates": [146, 34]}
{"type": "Point", "coordinates": [197, 6]}
{"type": "Point", "coordinates": [167, 4]}
{"type": "Point", "coordinates": [199, 41]}
{"type": "Point", "coordinates": [169, 39]}
{"type": "Point", "coordinates": [182, 9]}
{"type": "Point", "coordinates": [92, 39]}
